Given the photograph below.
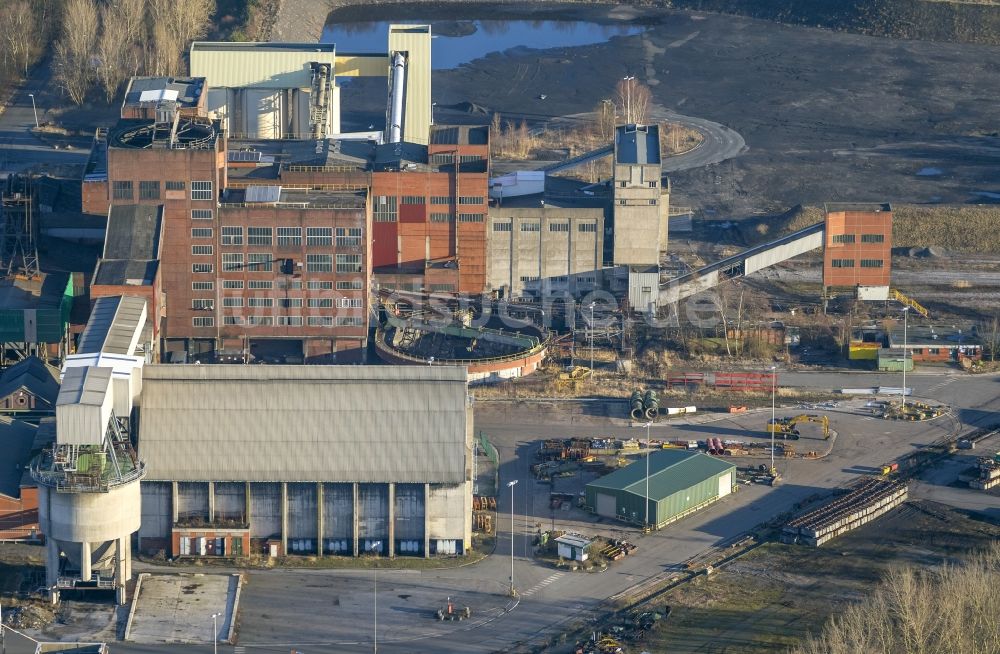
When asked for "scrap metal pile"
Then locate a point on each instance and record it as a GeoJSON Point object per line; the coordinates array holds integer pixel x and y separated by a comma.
{"type": "Point", "coordinates": [867, 501]}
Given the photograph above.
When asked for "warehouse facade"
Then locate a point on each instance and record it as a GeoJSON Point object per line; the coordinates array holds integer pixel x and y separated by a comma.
{"type": "Point", "coordinates": [679, 484]}
{"type": "Point", "coordinates": [310, 460]}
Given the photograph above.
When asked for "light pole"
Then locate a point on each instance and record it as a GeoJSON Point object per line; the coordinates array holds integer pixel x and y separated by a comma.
{"type": "Point", "coordinates": [3, 634]}
{"type": "Point", "coordinates": [628, 99]}
{"type": "Point", "coordinates": [648, 452]}
{"type": "Point", "coordinates": [510, 485]}
{"type": "Point", "coordinates": [774, 425]}
{"type": "Point", "coordinates": [215, 632]}
{"type": "Point", "coordinates": [902, 393]}
{"type": "Point", "coordinates": [33, 108]}
{"type": "Point", "coordinates": [375, 547]}
{"type": "Point", "coordinates": [592, 340]}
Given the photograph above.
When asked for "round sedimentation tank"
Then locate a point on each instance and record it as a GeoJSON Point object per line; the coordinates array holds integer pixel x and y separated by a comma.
{"type": "Point", "coordinates": [489, 353]}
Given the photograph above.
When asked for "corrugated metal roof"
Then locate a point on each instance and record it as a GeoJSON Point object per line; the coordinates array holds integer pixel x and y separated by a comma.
{"type": "Point", "coordinates": [114, 326]}
{"type": "Point", "coordinates": [670, 471]}
{"type": "Point", "coordinates": [262, 194]}
{"type": "Point", "coordinates": [304, 423]}
{"type": "Point", "coordinates": [263, 65]}
{"type": "Point", "coordinates": [84, 386]}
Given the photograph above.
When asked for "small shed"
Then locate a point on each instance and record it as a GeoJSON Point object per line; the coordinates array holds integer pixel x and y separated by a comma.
{"type": "Point", "coordinates": [573, 547]}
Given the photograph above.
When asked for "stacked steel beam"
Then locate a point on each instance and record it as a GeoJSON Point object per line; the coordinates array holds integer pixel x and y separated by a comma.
{"type": "Point", "coordinates": [988, 473]}
{"type": "Point", "coordinates": [863, 504]}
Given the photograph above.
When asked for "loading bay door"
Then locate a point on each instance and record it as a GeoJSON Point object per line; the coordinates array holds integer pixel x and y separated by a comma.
{"type": "Point", "coordinates": [606, 505]}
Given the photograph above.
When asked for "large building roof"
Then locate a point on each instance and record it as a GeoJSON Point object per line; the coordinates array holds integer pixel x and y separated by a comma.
{"type": "Point", "coordinates": [114, 326]}
{"type": "Point", "coordinates": [403, 424]}
{"type": "Point", "coordinates": [670, 471]}
{"type": "Point", "coordinates": [16, 439]}
{"type": "Point", "coordinates": [131, 247]}
{"type": "Point", "coordinates": [637, 144]}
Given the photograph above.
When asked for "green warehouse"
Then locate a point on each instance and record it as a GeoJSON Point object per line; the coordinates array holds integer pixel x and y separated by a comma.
{"type": "Point", "coordinates": [680, 483]}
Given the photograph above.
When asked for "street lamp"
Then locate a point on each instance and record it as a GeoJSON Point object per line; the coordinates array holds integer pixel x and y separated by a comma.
{"type": "Point", "coordinates": [648, 452]}
{"type": "Point", "coordinates": [33, 108]}
{"type": "Point", "coordinates": [628, 98]}
{"type": "Point", "coordinates": [375, 547]}
{"type": "Point", "coordinates": [592, 340]}
{"type": "Point", "coordinates": [902, 393]}
{"type": "Point", "coordinates": [510, 485]}
{"type": "Point", "coordinates": [774, 426]}
{"type": "Point", "coordinates": [215, 632]}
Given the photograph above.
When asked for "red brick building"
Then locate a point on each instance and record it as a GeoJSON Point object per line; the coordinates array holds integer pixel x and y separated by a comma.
{"type": "Point", "coordinates": [429, 211]}
{"type": "Point", "coordinates": [858, 248]}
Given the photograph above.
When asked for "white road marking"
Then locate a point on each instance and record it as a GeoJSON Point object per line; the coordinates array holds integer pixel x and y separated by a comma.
{"type": "Point", "coordinates": [542, 584]}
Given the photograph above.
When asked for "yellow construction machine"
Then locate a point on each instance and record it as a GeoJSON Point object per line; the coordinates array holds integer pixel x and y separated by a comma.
{"type": "Point", "coordinates": [785, 427]}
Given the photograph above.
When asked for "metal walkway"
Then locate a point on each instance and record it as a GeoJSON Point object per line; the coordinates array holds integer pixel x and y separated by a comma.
{"type": "Point", "coordinates": [580, 159]}
{"type": "Point", "coordinates": [744, 263]}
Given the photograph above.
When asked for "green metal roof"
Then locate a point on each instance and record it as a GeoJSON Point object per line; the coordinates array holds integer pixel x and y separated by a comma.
{"type": "Point", "coordinates": [670, 471]}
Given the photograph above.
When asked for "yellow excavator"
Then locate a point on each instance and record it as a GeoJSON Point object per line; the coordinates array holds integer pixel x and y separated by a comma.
{"type": "Point", "coordinates": [785, 427]}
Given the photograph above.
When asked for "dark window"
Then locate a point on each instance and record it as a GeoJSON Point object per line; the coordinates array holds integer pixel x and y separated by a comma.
{"type": "Point", "coordinates": [871, 263]}
{"type": "Point", "coordinates": [149, 190]}
{"type": "Point", "coordinates": [842, 263]}
{"type": "Point", "coordinates": [873, 238]}
{"type": "Point", "coordinates": [175, 186]}
{"type": "Point", "coordinates": [843, 238]}
{"type": "Point", "coordinates": [122, 190]}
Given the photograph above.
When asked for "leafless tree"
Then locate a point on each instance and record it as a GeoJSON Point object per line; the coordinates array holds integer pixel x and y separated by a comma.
{"type": "Point", "coordinates": [75, 48]}
{"type": "Point", "coordinates": [18, 35]}
{"type": "Point", "coordinates": [605, 117]}
{"type": "Point", "coordinates": [496, 132]}
{"type": "Point", "coordinates": [949, 610]}
{"type": "Point", "coordinates": [632, 100]}
{"type": "Point", "coordinates": [175, 23]}
{"type": "Point", "coordinates": [989, 332]}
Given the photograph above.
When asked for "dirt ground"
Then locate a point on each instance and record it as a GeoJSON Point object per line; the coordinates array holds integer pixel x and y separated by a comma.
{"type": "Point", "coordinates": [777, 594]}
{"type": "Point", "coordinates": [827, 116]}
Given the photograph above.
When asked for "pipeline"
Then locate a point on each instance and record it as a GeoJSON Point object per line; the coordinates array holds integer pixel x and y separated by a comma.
{"type": "Point", "coordinates": [396, 98]}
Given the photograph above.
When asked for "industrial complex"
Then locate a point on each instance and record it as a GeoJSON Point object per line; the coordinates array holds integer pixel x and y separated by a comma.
{"type": "Point", "coordinates": [296, 344]}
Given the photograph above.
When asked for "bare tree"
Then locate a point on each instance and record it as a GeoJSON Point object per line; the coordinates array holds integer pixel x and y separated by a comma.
{"type": "Point", "coordinates": [604, 119]}
{"type": "Point", "coordinates": [77, 44]}
{"type": "Point", "coordinates": [112, 52]}
{"type": "Point", "coordinates": [949, 610]}
{"type": "Point", "coordinates": [175, 23]}
{"type": "Point", "coordinates": [496, 132]}
{"type": "Point", "coordinates": [632, 100]}
{"type": "Point", "coordinates": [989, 332]}
{"type": "Point", "coordinates": [18, 35]}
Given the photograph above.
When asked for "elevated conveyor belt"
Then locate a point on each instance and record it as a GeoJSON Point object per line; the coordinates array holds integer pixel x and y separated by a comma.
{"type": "Point", "coordinates": [580, 159]}
{"type": "Point", "coordinates": [744, 263]}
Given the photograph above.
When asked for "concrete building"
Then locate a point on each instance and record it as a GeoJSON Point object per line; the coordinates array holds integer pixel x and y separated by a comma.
{"type": "Point", "coordinates": [545, 248]}
{"type": "Point", "coordinates": [306, 460]}
{"type": "Point", "coordinates": [679, 483]}
{"type": "Point", "coordinates": [857, 253]}
{"type": "Point", "coordinates": [640, 204]}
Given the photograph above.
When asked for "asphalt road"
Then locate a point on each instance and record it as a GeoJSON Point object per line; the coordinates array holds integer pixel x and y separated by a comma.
{"type": "Point", "coordinates": [332, 610]}
{"type": "Point", "coordinates": [19, 148]}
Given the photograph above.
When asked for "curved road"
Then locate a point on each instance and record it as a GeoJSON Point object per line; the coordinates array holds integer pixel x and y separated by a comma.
{"type": "Point", "coordinates": [720, 143]}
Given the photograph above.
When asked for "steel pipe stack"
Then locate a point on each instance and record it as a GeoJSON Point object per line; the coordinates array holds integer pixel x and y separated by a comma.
{"type": "Point", "coordinates": [651, 405]}
{"type": "Point", "coordinates": [636, 410]}
{"type": "Point", "coordinates": [868, 501]}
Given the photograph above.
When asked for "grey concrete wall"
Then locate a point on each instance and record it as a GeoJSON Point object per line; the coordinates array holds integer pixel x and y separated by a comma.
{"type": "Point", "coordinates": [409, 514]}
{"type": "Point", "coordinates": [90, 517]}
{"type": "Point", "coordinates": [156, 513]}
{"type": "Point", "coordinates": [338, 505]}
{"type": "Point", "coordinates": [446, 511]}
{"type": "Point", "coordinates": [230, 500]}
{"type": "Point", "coordinates": [640, 214]}
{"type": "Point", "coordinates": [302, 510]}
{"type": "Point", "coordinates": [192, 499]}
{"type": "Point", "coordinates": [265, 510]}
{"type": "Point", "coordinates": [373, 513]}
{"type": "Point", "coordinates": [561, 260]}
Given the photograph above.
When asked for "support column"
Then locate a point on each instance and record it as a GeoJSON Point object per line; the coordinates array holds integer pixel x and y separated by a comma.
{"type": "Point", "coordinates": [392, 520]}
{"type": "Point", "coordinates": [85, 554]}
{"type": "Point", "coordinates": [319, 518]}
{"type": "Point", "coordinates": [128, 556]}
{"type": "Point", "coordinates": [51, 562]}
{"type": "Point", "coordinates": [354, 517]}
{"type": "Point", "coordinates": [121, 554]}
{"type": "Point", "coordinates": [284, 518]}
{"type": "Point", "coordinates": [211, 502]}
{"type": "Point", "coordinates": [427, 521]}
{"type": "Point", "coordinates": [173, 503]}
